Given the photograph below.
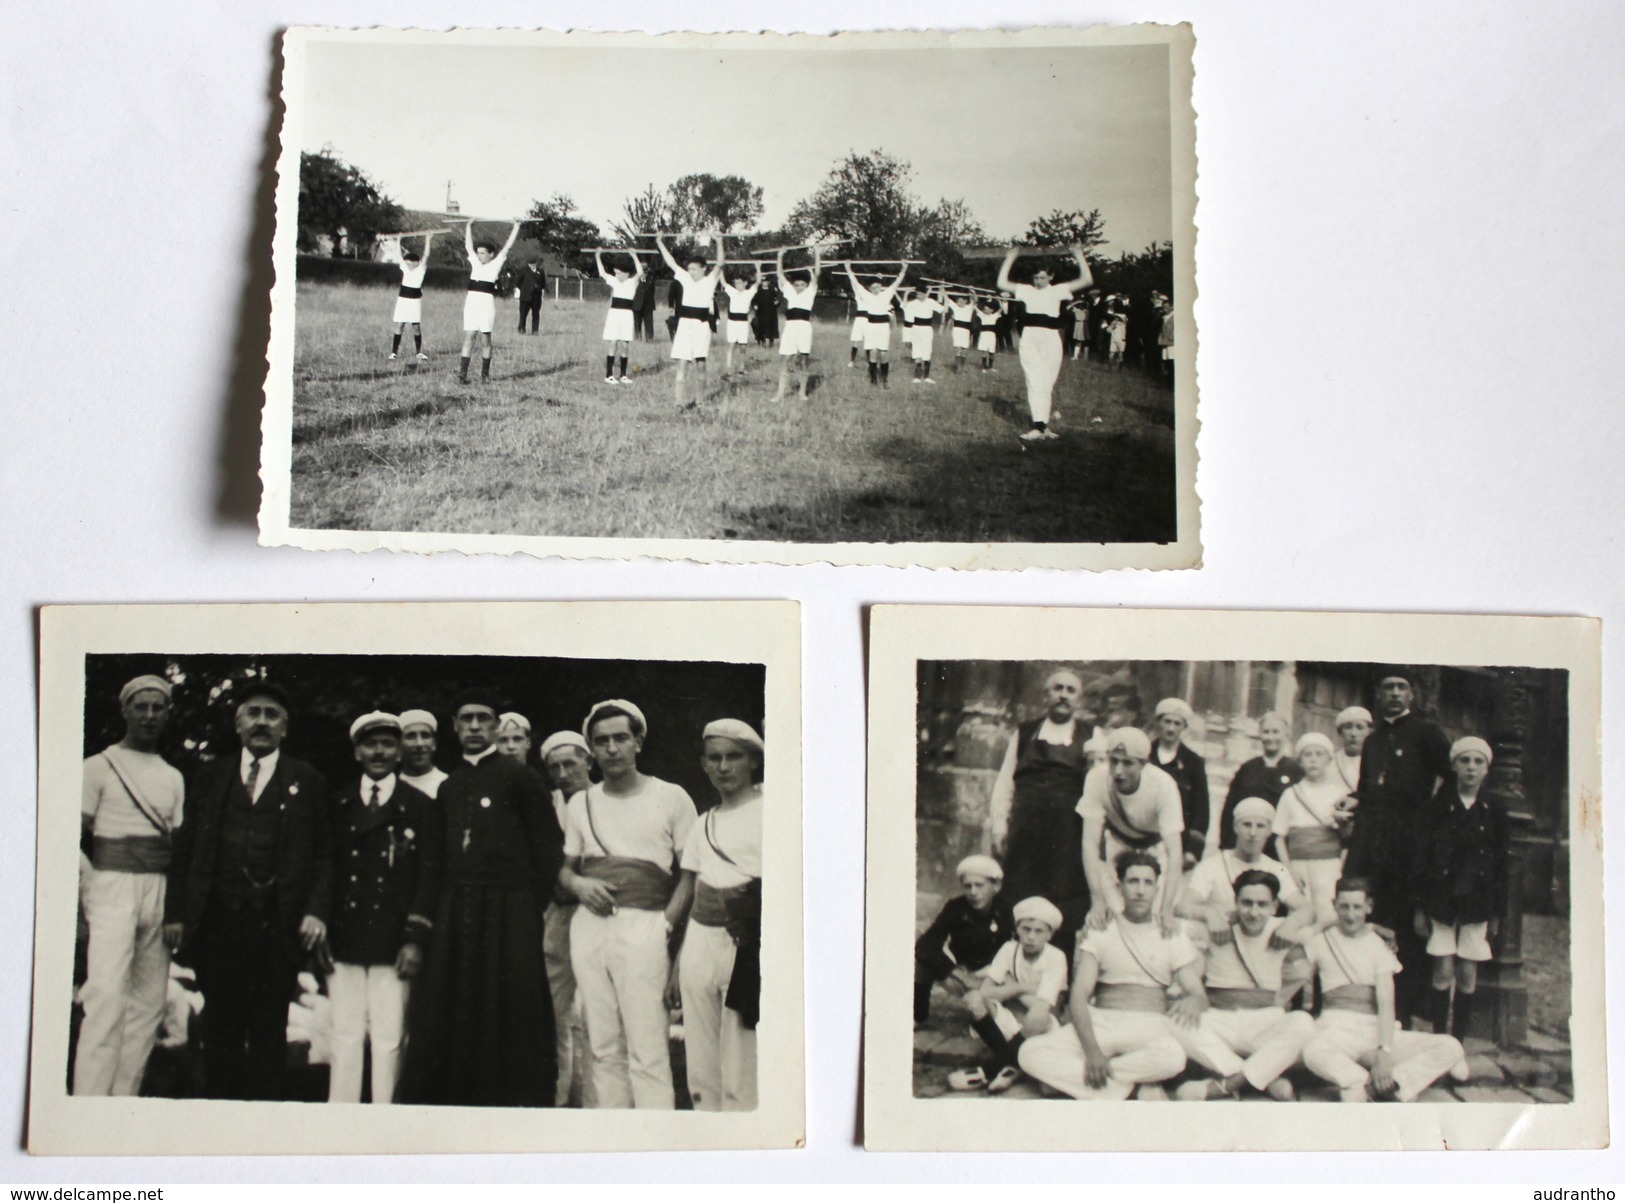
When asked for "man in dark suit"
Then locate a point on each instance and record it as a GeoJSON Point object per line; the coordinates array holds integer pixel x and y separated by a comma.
{"type": "Point", "coordinates": [387, 852]}
{"type": "Point", "coordinates": [1186, 766]}
{"type": "Point", "coordinates": [1265, 776]}
{"type": "Point", "coordinates": [530, 283]}
{"type": "Point", "coordinates": [481, 1019]}
{"type": "Point", "coordinates": [643, 309]}
{"type": "Point", "coordinates": [250, 858]}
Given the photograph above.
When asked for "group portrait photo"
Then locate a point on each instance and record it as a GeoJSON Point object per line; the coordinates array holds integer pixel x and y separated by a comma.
{"type": "Point", "coordinates": [835, 304]}
{"type": "Point", "coordinates": [420, 881]}
{"type": "Point", "coordinates": [1208, 881]}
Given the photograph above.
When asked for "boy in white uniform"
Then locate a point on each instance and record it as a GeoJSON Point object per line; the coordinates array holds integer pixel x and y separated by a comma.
{"type": "Point", "coordinates": [961, 310]}
{"type": "Point", "coordinates": [409, 301]}
{"type": "Point", "coordinates": [485, 264]}
{"type": "Point", "coordinates": [419, 730]}
{"type": "Point", "coordinates": [1246, 1036]}
{"type": "Point", "coordinates": [1209, 896]}
{"type": "Point", "coordinates": [1357, 1027]}
{"type": "Point", "coordinates": [919, 314]}
{"type": "Point", "coordinates": [618, 322]}
{"type": "Point", "coordinates": [513, 736]}
{"type": "Point", "coordinates": [1353, 725]}
{"type": "Point", "coordinates": [1130, 805]}
{"type": "Point", "coordinates": [1027, 976]}
{"type": "Point", "coordinates": [1306, 826]}
{"type": "Point", "coordinates": [722, 859]}
{"type": "Point", "coordinates": [622, 840]}
{"type": "Point", "coordinates": [1040, 352]}
{"type": "Point", "coordinates": [692, 339]}
{"type": "Point", "coordinates": [988, 311]}
{"type": "Point", "coordinates": [739, 302]}
{"type": "Point", "coordinates": [795, 344]}
{"type": "Point", "coordinates": [130, 806]}
{"type": "Point", "coordinates": [1122, 1030]}
{"type": "Point", "coordinates": [874, 304]}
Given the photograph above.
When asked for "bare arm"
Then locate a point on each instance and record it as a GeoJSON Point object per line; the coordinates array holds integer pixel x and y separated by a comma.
{"type": "Point", "coordinates": [784, 285]}
{"type": "Point", "coordinates": [468, 242]}
{"type": "Point", "coordinates": [1085, 276]}
{"type": "Point", "coordinates": [671, 260]}
{"type": "Point", "coordinates": [598, 258]}
{"type": "Point", "coordinates": [1002, 798]}
{"type": "Point", "coordinates": [1187, 1010]}
{"type": "Point", "coordinates": [721, 258]}
{"type": "Point", "coordinates": [513, 237]}
{"type": "Point", "coordinates": [898, 283]}
{"type": "Point", "coordinates": [818, 266]}
{"type": "Point", "coordinates": [1382, 1065]}
{"type": "Point", "coordinates": [1009, 262]}
{"type": "Point", "coordinates": [856, 294]}
{"type": "Point", "coordinates": [681, 899]}
{"type": "Point", "coordinates": [1096, 1065]}
{"type": "Point", "coordinates": [1094, 872]}
{"type": "Point", "coordinates": [1173, 881]}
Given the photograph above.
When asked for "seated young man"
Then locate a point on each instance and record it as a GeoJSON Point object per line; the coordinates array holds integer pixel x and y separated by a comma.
{"type": "Point", "coordinates": [1017, 997]}
{"type": "Point", "coordinates": [1122, 1030]}
{"type": "Point", "coordinates": [1358, 1044]}
{"type": "Point", "coordinates": [1254, 967]}
{"type": "Point", "coordinates": [966, 934]}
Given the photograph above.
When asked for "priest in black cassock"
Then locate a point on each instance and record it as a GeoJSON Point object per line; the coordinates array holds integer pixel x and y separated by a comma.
{"type": "Point", "coordinates": [480, 1029]}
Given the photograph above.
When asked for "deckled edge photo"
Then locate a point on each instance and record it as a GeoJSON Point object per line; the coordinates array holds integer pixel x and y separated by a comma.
{"type": "Point", "coordinates": [901, 636]}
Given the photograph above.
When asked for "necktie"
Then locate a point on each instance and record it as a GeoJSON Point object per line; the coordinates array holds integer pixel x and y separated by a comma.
{"type": "Point", "coordinates": [253, 776]}
{"type": "Point", "coordinates": [376, 788]}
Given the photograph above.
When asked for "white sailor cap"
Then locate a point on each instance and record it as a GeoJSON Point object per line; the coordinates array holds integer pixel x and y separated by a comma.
{"type": "Point", "coordinates": [734, 729]}
{"type": "Point", "coordinates": [562, 739]}
{"type": "Point", "coordinates": [1352, 714]}
{"type": "Point", "coordinates": [1041, 909]}
{"type": "Point", "coordinates": [1175, 706]}
{"type": "Point", "coordinates": [374, 721]}
{"type": "Point", "coordinates": [1471, 743]}
{"type": "Point", "coordinates": [980, 866]}
{"type": "Point", "coordinates": [1313, 739]}
{"type": "Point", "coordinates": [514, 720]}
{"type": "Point", "coordinates": [137, 684]}
{"type": "Point", "coordinates": [1131, 740]}
{"type": "Point", "coordinates": [419, 718]}
{"type": "Point", "coordinates": [618, 704]}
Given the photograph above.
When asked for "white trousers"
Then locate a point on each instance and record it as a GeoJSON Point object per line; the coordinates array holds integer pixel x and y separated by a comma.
{"type": "Point", "coordinates": [574, 1056]}
{"type": "Point", "coordinates": [1269, 1038]}
{"type": "Point", "coordinates": [621, 969]}
{"type": "Point", "coordinates": [1345, 1042]}
{"type": "Point", "coordinates": [1140, 1045]}
{"type": "Point", "coordinates": [1040, 357]}
{"type": "Point", "coordinates": [126, 981]}
{"type": "Point", "coordinates": [1318, 880]}
{"type": "Point", "coordinates": [721, 1050]}
{"type": "Point", "coordinates": [368, 1003]}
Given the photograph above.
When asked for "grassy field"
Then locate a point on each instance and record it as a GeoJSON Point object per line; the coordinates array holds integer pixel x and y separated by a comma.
{"type": "Point", "coordinates": [547, 448]}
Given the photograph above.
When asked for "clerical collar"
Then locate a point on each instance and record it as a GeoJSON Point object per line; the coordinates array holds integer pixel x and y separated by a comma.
{"type": "Point", "coordinates": [1396, 718]}
{"type": "Point", "coordinates": [477, 757]}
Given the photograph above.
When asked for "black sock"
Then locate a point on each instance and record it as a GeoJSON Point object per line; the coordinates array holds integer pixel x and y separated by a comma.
{"type": "Point", "coordinates": [925, 370]}
{"type": "Point", "coordinates": [874, 372]}
{"type": "Point", "coordinates": [1463, 1018]}
{"type": "Point", "coordinates": [464, 372]}
{"type": "Point", "coordinates": [922, 994]}
{"type": "Point", "coordinates": [885, 371]}
{"type": "Point", "coordinates": [395, 344]}
{"type": "Point", "coordinates": [854, 352]}
{"type": "Point", "coordinates": [417, 340]}
{"type": "Point", "coordinates": [1003, 1049]}
{"type": "Point", "coordinates": [1038, 425]}
{"type": "Point", "coordinates": [623, 367]}
{"type": "Point", "coordinates": [609, 365]}
{"type": "Point", "coordinates": [1438, 1013]}
{"type": "Point", "coordinates": [485, 368]}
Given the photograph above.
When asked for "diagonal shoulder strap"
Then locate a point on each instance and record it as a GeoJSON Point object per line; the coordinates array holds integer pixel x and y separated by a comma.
{"type": "Point", "coordinates": [1338, 957]}
{"type": "Point", "coordinates": [592, 828]}
{"type": "Point", "coordinates": [1241, 955]}
{"type": "Point", "coordinates": [709, 827]}
{"type": "Point", "coordinates": [1134, 952]}
{"type": "Point", "coordinates": [136, 796]}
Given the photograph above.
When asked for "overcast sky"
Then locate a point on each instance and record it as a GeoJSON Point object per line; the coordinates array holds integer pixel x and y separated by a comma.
{"type": "Point", "coordinates": [1015, 133]}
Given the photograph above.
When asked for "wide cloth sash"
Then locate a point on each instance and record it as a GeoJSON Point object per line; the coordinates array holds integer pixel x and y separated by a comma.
{"type": "Point", "coordinates": [1352, 998]}
{"type": "Point", "coordinates": [1239, 998]}
{"type": "Point", "coordinates": [961, 325]}
{"type": "Point", "coordinates": [483, 286]}
{"type": "Point", "coordinates": [410, 293]}
{"type": "Point", "coordinates": [711, 904]}
{"type": "Point", "coordinates": [1129, 996]}
{"type": "Point", "coordinates": [738, 317]}
{"type": "Point", "coordinates": [1047, 320]}
{"type": "Point", "coordinates": [1313, 843]}
{"type": "Point", "coordinates": [798, 315]}
{"type": "Point", "coordinates": [620, 302]}
{"type": "Point", "coordinates": [130, 854]}
{"type": "Point", "coordinates": [697, 312]}
{"type": "Point", "coordinates": [878, 317]}
{"type": "Point", "coordinates": [639, 884]}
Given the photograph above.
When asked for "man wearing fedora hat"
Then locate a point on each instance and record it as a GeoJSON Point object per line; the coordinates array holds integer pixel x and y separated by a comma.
{"type": "Point", "coordinates": [387, 847]}
{"type": "Point", "coordinates": [249, 860]}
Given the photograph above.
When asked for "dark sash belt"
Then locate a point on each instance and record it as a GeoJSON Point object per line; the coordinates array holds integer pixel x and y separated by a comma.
{"type": "Point", "coordinates": [1047, 321]}
{"type": "Point", "coordinates": [410, 293]}
{"type": "Point", "coordinates": [1238, 998]}
{"type": "Point", "coordinates": [878, 317]}
{"type": "Point", "coordinates": [1352, 998]}
{"type": "Point", "coordinates": [486, 286]}
{"type": "Point", "coordinates": [711, 904]}
{"type": "Point", "coordinates": [130, 854]}
{"type": "Point", "coordinates": [1312, 843]}
{"type": "Point", "coordinates": [620, 302]}
{"type": "Point", "coordinates": [639, 884]}
{"type": "Point", "coordinates": [738, 317]}
{"type": "Point", "coordinates": [961, 325]}
{"type": "Point", "coordinates": [696, 312]}
{"type": "Point", "coordinates": [1126, 996]}
{"type": "Point", "coordinates": [798, 315]}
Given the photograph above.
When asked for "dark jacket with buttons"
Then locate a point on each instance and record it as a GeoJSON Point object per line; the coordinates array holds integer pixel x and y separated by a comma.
{"type": "Point", "coordinates": [386, 874]}
{"type": "Point", "coordinates": [1461, 860]}
{"type": "Point", "coordinates": [1189, 771]}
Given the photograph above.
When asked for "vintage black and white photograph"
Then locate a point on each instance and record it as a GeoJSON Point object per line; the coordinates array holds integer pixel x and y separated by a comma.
{"type": "Point", "coordinates": [399, 881]}
{"type": "Point", "coordinates": [1313, 881]}
{"type": "Point", "coordinates": [912, 298]}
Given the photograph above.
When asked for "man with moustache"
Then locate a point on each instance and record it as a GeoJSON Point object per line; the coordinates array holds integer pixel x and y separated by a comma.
{"type": "Point", "coordinates": [251, 862]}
{"type": "Point", "coordinates": [623, 839]}
{"type": "Point", "coordinates": [1037, 832]}
{"type": "Point", "coordinates": [130, 807]}
{"type": "Point", "coordinates": [481, 1026]}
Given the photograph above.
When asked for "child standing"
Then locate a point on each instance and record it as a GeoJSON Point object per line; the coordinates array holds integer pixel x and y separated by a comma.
{"type": "Point", "coordinates": [409, 302]}
{"type": "Point", "coordinates": [1018, 997]}
{"type": "Point", "coordinates": [966, 934]}
{"type": "Point", "coordinates": [1306, 832]}
{"type": "Point", "coordinates": [618, 322]}
{"type": "Point", "coordinates": [480, 306]}
{"type": "Point", "coordinates": [740, 299]}
{"type": "Point", "coordinates": [1461, 875]}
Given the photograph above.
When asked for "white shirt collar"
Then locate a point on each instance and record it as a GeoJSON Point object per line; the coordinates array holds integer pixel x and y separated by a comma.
{"type": "Point", "coordinates": [267, 765]}
{"type": "Point", "coordinates": [480, 756]}
{"type": "Point", "coordinates": [386, 789]}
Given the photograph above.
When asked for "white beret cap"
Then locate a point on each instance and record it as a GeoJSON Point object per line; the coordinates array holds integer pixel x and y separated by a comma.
{"type": "Point", "coordinates": [1175, 706]}
{"type": "Point", "coordinates": [1352, 714]}
{"type": "Point", "coordinates": [135, 686]}
{"type": "Point", "coordinates": [1252, 808]}
{"type": "Point", "coordinates": [1041, 909]}
{"type": "Point", "coordinates": [515, 720]}
{"type": "Point", "coordinates": [373, 721]}
{"type": "Point", "coordinates": [734, 729]}
{"type": "Point", "coordinates": [619, 704]}
{"type": "Point", "coordinates": [1471, 743]}
{"type": "Point", "coordinates": [980, 866]}
{"type": "Point", "coordinates": [1131, 740]}
{"type": "Point", "coordinates": [563, 739]}
{"type": "Point", "coordinates": [419, 718]}
{"type": "Point", "coordinates": [1313, 739]}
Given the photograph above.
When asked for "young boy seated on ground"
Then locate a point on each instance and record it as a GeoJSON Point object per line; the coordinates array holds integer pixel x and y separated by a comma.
{"type": "Point", "coordinates": [1018, 996]}
{"type": "Point", "coordinates": [964, 936]}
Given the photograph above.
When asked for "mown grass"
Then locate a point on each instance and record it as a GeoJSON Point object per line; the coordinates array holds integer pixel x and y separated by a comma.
{"type": "Point", "coordinates": [547, 448]}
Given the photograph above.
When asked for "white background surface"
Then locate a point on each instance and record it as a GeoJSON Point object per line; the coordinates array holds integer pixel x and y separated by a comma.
{"type": "Point", "coordinates": [1409, 270]}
